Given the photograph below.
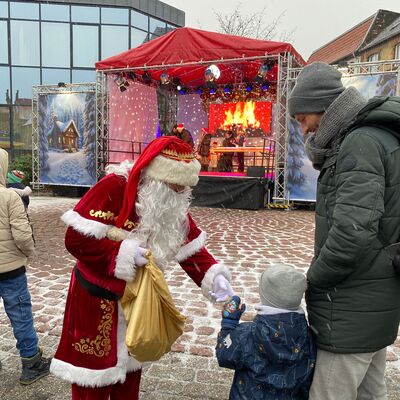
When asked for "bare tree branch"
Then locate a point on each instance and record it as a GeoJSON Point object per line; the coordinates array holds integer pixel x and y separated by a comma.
{"type": "Point", "coordinates": [252, 25]}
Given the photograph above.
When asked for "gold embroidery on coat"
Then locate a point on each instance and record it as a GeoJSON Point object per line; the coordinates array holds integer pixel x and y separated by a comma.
{"type": "Point", "coordinates": [101, 345]}
{"type": "Point", "coordinates": [110, 216]}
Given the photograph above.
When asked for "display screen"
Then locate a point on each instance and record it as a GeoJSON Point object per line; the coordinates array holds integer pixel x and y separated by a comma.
{"type": "Point", "coordinates": [253, 116]}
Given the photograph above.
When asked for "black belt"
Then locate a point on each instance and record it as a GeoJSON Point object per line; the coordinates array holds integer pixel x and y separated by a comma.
{"type": "Point", "coordinates": [93, 289]}
{"type": "Point", "coordinates": [15, 273]}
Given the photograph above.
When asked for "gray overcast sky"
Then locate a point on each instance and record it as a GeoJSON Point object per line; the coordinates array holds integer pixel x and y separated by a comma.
{"type": "Point", "coordinates": [316, 22]}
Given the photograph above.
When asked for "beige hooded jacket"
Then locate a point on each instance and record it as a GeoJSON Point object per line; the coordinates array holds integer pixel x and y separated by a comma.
{"type": "Point", "coordinates": [16, 240]}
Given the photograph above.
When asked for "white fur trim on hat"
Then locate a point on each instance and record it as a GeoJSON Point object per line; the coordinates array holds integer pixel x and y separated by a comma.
{"type": "Point", "coordinates": [191, 248]}
{"type": "Point", "coordinates": [172, 171]}
{"type": "Point", "coordinates": [100, 377]}
{"type": "Point", "coordinates": [85, 226]}
{"type": "Point", "coordinates": [208, 280]}
{"type": "Point", "coordinates": [125, 267]}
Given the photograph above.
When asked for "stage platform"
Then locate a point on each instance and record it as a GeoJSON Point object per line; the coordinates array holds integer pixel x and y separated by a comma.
{"type": "Point", "coordinates": [231, 190]}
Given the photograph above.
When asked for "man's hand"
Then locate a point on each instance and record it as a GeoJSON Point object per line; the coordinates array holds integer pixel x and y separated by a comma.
{"type": "Point", "coordinates": [140, 257]}
{"type": "Point", "coordinates": [222, 289]}
{"type": "Point", "coordinates": [232, 311]}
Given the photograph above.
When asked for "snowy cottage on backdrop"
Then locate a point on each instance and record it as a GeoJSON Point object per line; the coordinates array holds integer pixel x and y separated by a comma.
{"type": "Point", "coordinates": [63, 135]}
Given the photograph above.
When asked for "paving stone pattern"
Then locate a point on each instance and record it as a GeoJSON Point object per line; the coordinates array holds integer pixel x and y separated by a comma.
{"type": "Point", "coordinates": [246, 241]}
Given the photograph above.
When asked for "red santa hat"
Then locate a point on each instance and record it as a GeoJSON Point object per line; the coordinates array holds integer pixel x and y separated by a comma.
{"type": "Point", "coordinates": [167, 159]}
{"type": "Point", "coordinates": [180, 126]}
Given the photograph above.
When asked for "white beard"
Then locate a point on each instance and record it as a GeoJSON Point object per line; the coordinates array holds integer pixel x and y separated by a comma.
{"type": "Point", "coordinates": [163, 222]}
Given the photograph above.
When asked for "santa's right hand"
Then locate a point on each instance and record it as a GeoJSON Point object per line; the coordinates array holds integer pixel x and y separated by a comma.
{"type": "Point", "coordinates": [140, 257]}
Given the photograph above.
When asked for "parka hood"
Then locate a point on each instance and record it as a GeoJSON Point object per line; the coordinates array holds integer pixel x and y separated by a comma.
{"type": "Point", "coordinates": [381, 112]}
{"type": "Point", "coordinates": [3, 166]}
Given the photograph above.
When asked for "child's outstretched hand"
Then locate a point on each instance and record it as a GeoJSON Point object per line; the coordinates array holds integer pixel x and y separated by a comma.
{"type": "Point", "coordinates": [232, 311]}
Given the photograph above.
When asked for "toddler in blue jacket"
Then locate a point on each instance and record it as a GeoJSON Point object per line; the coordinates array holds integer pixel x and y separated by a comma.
{"type": "Point", "coordinates": [274, 355]}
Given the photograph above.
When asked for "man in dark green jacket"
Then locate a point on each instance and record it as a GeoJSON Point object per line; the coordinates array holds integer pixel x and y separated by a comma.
{"type": "Point", "coordinates": [353, 296]}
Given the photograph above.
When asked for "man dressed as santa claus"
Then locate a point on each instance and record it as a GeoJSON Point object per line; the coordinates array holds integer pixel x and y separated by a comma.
{"type": "Point", "coordinates": [148, 204]}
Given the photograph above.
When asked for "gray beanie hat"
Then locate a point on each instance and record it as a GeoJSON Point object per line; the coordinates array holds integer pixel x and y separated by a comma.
{"type": "Point", "coordinates": [317, 86]}
{"type": "Point", "coordinates": [282, 286]}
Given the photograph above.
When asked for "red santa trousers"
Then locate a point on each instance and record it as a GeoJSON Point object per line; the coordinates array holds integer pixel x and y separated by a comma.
{"type": "Point", "coordinates": [129, 390]}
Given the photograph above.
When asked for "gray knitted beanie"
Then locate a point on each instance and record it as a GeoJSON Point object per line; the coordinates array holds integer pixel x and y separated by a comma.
{"type": "Point", "coordinates": [317, 86]}
{"type": "Point", "coordinates": [282, 286]}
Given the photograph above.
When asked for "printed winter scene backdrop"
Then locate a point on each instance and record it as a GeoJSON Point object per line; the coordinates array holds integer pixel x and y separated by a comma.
{"type": "Point", "coordinates": [67, 139]}
{"type": "Point", "coordinates": [301, 176]}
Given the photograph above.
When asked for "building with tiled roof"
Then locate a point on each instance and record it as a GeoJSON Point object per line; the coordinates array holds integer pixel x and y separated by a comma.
{"type": "Point", "coordinates": [385, 46]}
{"type": "Point", "coordinates": [346, 47]}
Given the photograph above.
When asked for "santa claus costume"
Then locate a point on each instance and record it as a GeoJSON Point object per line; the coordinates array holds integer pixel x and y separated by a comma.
{"type": "Point", "coordinates": [148, 203]}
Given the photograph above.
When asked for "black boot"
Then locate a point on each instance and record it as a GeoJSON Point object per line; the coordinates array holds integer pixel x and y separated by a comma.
{"type": "Point", "coordinates": [34, 368]}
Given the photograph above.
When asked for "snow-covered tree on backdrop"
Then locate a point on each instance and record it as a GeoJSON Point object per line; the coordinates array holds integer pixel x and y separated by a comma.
{"type": "Point", "coordinates": [44, 127]}
{"type": "Point", "coordinates": [295, 156]}
{"type": "Point", "coordinates": [89, 133]}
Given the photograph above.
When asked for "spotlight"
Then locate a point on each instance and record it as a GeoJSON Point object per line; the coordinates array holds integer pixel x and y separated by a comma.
{"type": "Point", "coordinates": [265, 85]}
{"type": "Point", "coordinates": [61, 84]}
{"type": "Point", "coordinates": [182, 90]}
{"type": "Point", "coordinates": [212, 73]}
{"type": "Point", "coordinates": [262, 72]}
{"type": "Point", "coordinates": [131, 75]}
{"type": "Point", "coordinates": [211, 85]}
{"type": "Point", "coordinates": [164, 78]}
{"type": "Point", "coordinates": [199, 90]}
{"type": "Point", "coordinates": [228, 89]}
{"type": "Point", "coordinates": [146, 78]}
{"type": "Point", "coordinates": [121, 82]}
{"type": "Point", "coordinates": [249, 87]}
{"type": "Point", "coordinates": [176, 81]}
{"type": "Point", "coordinates": [213, 90]}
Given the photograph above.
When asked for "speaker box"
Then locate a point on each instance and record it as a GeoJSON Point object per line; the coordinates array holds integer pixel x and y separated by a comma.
{"type": "Point", "coordinates": [256, 172]}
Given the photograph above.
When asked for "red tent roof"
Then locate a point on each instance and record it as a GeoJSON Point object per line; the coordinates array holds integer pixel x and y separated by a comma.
{"type": "Point", "coordinates": [188, 45]}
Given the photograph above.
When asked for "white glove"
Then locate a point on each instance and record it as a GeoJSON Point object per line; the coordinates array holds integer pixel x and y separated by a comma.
{"type": "Point", "coordinates": [222, 289]}
{"type": "Point", "coordinates": [140, 257]}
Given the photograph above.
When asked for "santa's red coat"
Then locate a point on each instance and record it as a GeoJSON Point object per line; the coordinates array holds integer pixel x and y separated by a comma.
{"type": "Point", "coordinates": [92, 349]}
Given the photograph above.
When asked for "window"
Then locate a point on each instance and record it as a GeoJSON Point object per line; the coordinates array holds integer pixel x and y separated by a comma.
{"type": "Point", "coordinates": [157, 27]}
{"type": "Point", "coordinates": [23, 79]}
{"type": "Point", "coordinates": [55, 44]}
{"type": "Point", "coordinates": [3, 42]}
{"type": "Point", "coordinates": [25, 43]}
{"type": "Point", "coordinates": [4, 127]}
{"type": "Point", "coordinates": [139, 20]}
{"type": "Point", "coordinates": [85, 14]}
{"type": "Point", "coordinates": [118, 16]}
{"type": "Point", "coordinates": [373, 57]}
{"type": "Point", "coordinates": [85, 45]}
{"type": "Point", "coordinates": [55, 12]}
{"type": "Point", "coordinates": [5, 86]}
{"type": "Point", "coordinates": [170, 28]}
{"type": "Point", "coordinates": [83, 76]}
{"type": "Point", "coordinates": [53, 76]}
{"type": "Point", "coordinates": [397, 52]}
{"type": "Point", "coordinates": [138, 37]}
{"type": "Point", "coordinates": [24, 10]}
{"type": "Point", "coordinates": [114, 40]}
{"type": "Point", "coordinates": [22, 129]}
{"type": "Point", "coordinates": [3, 9]}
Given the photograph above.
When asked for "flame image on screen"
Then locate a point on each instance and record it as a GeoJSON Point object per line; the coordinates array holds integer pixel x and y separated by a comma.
{"type": "Point", "coordinates": [243, 115]}
{"type": "Point", "coordinates": [249, 115]}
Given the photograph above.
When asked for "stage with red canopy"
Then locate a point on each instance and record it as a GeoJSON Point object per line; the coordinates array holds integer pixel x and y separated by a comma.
{"type": "Point", "coordinates": [184, 51]}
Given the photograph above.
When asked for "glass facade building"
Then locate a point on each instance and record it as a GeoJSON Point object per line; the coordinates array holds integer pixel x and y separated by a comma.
{"type": "Point", "coordinates": [47, 42]}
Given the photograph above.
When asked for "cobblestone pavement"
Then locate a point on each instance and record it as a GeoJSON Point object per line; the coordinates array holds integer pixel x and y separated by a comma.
{"type": "Point", "coordinates": [246, 241]}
